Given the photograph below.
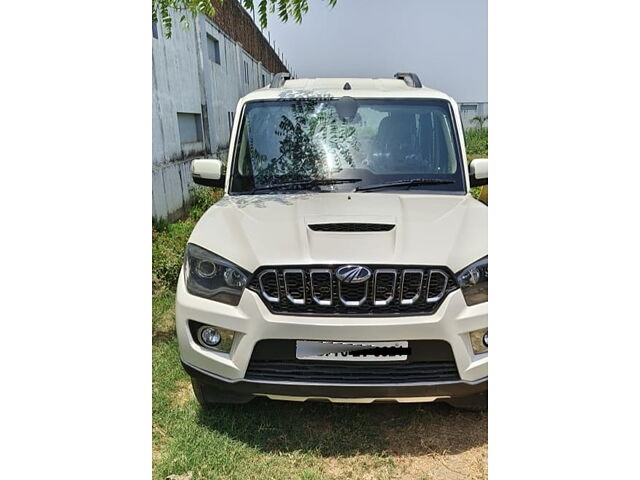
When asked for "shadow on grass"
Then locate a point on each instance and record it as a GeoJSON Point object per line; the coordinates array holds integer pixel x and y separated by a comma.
{"type": "Point", "coordinates": [342, 430]}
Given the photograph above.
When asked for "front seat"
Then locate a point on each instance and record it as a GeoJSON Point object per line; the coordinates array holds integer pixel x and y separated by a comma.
{"type": "Point", "coordinates": [396, 137]}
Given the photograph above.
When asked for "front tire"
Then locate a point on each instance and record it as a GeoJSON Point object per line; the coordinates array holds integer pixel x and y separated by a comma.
{"type": "Point", "coordinates": [209, 397]}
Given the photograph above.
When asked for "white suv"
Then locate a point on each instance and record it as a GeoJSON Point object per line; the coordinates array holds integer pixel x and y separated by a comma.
{"type": "Point", "coordinates": [347, 260]}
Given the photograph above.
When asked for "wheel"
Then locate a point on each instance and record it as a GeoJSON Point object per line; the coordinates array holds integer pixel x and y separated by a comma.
{"type": "Point", "coordinates": [476, 403]}
{"type": "Point", "coordinates": [208, 396]}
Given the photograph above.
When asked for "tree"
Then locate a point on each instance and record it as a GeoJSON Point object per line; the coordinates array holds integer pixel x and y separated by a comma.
{"type": "Point", "coordinates": [285, 9]}
{"type": "Point", "coordinates": [480, 120]}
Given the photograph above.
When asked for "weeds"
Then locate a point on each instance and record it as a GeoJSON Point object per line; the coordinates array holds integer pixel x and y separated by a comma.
{"type": "Point", "coordinates": [477, 142]}
{"type": "Point", "coordinates": [170, 239]}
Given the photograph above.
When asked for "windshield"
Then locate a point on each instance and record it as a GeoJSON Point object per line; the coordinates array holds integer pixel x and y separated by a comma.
{"type": "Point", "coordinates": [347, 144]}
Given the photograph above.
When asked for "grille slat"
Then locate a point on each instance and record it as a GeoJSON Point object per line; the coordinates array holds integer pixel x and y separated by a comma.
{"type": "Point", "coordinates": [315, 290]}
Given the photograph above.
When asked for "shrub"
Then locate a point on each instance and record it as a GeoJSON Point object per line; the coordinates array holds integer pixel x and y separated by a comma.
{"type": "Point", "coordinates": [477, 141]}
{"type": "Point", "coordinates": [167, 254]}
{"type": "Point", "coordinates": [201, 199]}
{"type": "Point", "coordinates": [170, 239]}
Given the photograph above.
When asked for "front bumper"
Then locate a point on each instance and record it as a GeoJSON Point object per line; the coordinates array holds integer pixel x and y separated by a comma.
{"type": "Point", "coordinates": [253, 322]}
{"type": "Point", "coordinates": [337, 391]}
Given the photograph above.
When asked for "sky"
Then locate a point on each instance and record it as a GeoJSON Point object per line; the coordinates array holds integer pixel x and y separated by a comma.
{"type": "Point", "coordinates": [443, 41]}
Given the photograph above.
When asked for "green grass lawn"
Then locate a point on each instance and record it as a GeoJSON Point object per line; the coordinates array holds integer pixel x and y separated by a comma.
{"type": "Point", "coordinates": [287, 440]}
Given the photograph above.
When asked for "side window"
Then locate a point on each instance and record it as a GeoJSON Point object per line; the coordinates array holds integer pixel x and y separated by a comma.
{"type": "Point", "coordinates": [213, 49]}
{"type": "Point", "coordinates": [154, 29]}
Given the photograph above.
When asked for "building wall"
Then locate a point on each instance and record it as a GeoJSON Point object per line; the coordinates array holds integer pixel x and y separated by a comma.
{"type": "Point", "coordinates": [196, 96]}
{"type": "Point", "coordinates": [469, 110]}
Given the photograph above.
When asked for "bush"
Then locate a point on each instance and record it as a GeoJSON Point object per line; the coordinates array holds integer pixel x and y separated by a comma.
{"type": "Point", "coordinates": [170, 239]}
{"type": "Point", "coordinates": [167, 254]}
{"type": "Point", "coordinates": [477, 140]}
{"type": "Point", "coordinates": [201, 199]}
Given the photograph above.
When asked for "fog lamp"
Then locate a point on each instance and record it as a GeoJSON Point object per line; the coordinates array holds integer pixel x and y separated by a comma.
{"type": "Point", "coordinates": [479, 340]}
{"type": "Point", "coordinates": [215, 338]}
{"type": "Point", "coordinates": [210, 336]}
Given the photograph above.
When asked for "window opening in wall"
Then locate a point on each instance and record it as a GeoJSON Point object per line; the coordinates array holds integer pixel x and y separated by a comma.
{"type": "Point", "coordinates": [213, 49]}
{"type": "Point", "coordinates": [230, 118]}
{"type": "Point", "coordinates": [189, 127]}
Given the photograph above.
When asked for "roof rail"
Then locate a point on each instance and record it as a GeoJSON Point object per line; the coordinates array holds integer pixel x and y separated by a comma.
{"type": "Point", "coordinates": [411, 79]}
{"type": "Point", "coordinates": [279, 79]}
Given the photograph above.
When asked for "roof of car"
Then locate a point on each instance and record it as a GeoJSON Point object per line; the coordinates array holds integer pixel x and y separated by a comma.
{"type": "Point", "coordinates": [337, 87]}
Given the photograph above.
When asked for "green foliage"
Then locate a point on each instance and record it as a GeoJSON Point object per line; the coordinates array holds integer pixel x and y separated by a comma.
{"type": "Point", "coordinates": [161, 12]}
{"type": "Point", "coordinates": [480, 120]}
{"type": "Point", "coordinates": [169, 240]}
{"type": "Point", "coordinates": [167, 254]}
{"type": "Point", "coordinates": [285, 9]}
{"type": "Point", "coordinates": [201, 199]}
{"type": "Point", "coordinates": [477, 140]}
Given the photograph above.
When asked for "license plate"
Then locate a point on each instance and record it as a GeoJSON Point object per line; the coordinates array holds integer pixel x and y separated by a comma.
{"type": "Point", "coordinates": [352, 351]}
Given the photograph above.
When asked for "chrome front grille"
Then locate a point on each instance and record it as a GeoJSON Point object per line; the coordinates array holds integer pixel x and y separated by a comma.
{"type": "Point", "coordinates": [389, 290]}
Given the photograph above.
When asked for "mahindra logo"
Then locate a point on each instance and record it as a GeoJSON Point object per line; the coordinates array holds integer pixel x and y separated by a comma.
{"type": "Point", "coordinates": [353, 274]}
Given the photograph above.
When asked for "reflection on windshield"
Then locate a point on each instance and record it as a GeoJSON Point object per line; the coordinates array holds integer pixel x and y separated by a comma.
{"type": "Point", "coordinates": [377, 141]}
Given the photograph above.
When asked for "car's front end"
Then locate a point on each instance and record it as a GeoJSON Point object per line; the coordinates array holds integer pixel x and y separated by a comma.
{"type": "Point", "coordinates": [355, 283]}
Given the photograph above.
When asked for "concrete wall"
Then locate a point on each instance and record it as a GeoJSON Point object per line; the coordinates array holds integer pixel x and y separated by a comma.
{"type": "Point", "coordinates": [469, 110]}
{"type": "Point", "coordinates": [187, 81]}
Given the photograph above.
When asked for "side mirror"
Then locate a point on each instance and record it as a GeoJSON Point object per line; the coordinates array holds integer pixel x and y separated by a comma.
{"type": "Point", "coordinates": [479, 172]}
{"type": "Point", "coordinates": [207, 172]}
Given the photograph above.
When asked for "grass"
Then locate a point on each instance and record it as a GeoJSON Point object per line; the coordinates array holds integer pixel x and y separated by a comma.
{"type": "Point", "coordinates": [477, 142]}
{"type": "Point", "coordinates": [286, 440]}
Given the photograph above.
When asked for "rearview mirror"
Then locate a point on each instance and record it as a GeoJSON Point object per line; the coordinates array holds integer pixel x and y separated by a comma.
{"type": "Point", "coordinates": [479, 172]}
{"type": "Point", "coordinates": [207, 172]}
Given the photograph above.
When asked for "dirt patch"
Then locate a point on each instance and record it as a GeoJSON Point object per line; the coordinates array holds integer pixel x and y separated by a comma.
{"type": "Point", "coordinates": [437, 443]}
{"type": "Point", "coordinates": [184, 476]}
{"type": "Point", "coordinates": [160, 439]}
{"type": "Point", "coordinates": [470, 465]}
{"type": "Point", "coordinates": [165, 326]}
{"type": "Point", "coordinates": [183, 393]}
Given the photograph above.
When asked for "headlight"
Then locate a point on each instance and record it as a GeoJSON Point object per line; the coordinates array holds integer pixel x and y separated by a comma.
{"type": "Point", "coordinates": [210, 276]}
{"type": "Point", "coordinates": [474, 281]}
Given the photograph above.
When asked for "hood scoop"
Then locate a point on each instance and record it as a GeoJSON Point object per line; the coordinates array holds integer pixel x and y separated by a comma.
{"type": "Point", "coordinates": [352, 227]}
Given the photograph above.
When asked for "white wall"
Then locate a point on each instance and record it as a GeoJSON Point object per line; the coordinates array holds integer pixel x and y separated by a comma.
{"type": "Point", "coordinates": [469, 110]}
{"type": "Point", "coordinates": [176, 88]}
{"type": "Point", "coordinates": [226, 81]}
{"type": "Point", "coordinates": [185, 80]}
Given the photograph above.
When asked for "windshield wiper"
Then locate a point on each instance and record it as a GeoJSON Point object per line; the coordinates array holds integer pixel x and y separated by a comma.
{"type": "Point", "coordinates": [405, 183]}
{"type": "Point", "coordinates": [306, 183]}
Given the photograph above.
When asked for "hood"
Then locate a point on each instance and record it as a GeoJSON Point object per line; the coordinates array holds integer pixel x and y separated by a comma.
{"type": "Point", "coordinates": [260, 230]}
